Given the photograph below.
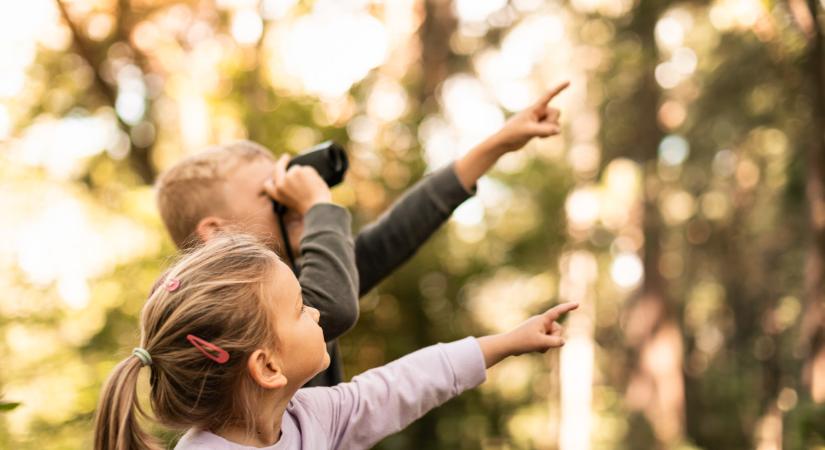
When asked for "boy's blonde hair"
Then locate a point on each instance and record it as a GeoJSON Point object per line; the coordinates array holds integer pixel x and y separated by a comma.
{"type": "Point", "coordinates": [190, 190]}
{"type": "Point", "coordinates": [220, 295]}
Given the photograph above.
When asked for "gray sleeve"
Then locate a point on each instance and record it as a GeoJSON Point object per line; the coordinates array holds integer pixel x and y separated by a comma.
{"type": "Point", "coordinates": [391, 240]}
{"type": "Point", "coordinates": [329, 279]}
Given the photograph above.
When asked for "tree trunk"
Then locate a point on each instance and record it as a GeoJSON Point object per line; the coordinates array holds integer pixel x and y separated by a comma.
{"type": "Point", "coordinates": [813, 327]}
{"type": "Point", "coordinates": [434, 35]}
{"type": "Point", "coordinates": [439, 25]}
{"type": "Point", "coordinates": [656, 382]}
{"type": "Point", "coordinates": [139, 157]}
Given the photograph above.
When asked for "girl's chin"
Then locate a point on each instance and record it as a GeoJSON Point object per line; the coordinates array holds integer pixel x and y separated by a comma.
{"type": "Point", "coordinates": [325, 360]}
{"type": "Point", "coordinates": [322, 367]}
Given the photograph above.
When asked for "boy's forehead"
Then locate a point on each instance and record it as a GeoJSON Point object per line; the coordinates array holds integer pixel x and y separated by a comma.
{"type": "Point", "coordinates": [247, 161]}
{"type": "Point", "coordinates": [216, 164]}
{"type": "Point", "coordinates": [249, 171]}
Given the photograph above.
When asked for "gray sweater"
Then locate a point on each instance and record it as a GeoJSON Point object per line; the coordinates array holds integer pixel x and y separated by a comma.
{"type": "Point", "coordinates": [327, 276]}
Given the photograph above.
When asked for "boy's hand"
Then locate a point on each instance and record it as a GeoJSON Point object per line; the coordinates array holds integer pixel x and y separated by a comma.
{"type": "Point", "coordinates": [537, 334]}
{"type": "Point", "coordinates": [298, 188]}
{"type": "Point", "coordinates": [539, 120]}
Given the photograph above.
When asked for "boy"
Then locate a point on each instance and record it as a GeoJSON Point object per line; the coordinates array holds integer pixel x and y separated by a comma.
{"type": "Point", "coordinates": [231, 186]}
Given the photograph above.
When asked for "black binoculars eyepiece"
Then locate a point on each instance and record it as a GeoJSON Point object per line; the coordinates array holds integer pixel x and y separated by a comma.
{"type": "Point", "coordinates": [327, 158]}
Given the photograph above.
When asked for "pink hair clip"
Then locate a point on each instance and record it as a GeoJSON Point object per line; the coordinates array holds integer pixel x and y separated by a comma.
{"type": "Point", "coordinates": [220, 355]}
{"type": "Point", "coordinates": [172, 284]}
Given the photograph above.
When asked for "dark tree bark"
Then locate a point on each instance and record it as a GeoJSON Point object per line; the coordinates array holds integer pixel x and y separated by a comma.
{"type": "Point", "coordinates": [813, 326]}
{"type": "Point", "coordinates": [439, 25]}
{"type": "Point", "coordinates": [654, 337]}
{"type": "Point", "coordinates": [434, 35]}
{"type": "Point", "coordinates": [140, 157]}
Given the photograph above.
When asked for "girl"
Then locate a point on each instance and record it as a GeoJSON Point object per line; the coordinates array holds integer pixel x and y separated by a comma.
{"type": "Point", "coordinates": [229, 342]}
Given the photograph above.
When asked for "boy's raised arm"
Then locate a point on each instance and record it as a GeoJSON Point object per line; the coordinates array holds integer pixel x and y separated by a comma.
{"type": "Point", "coordinates": [384, 245]}
{"type": "Point", "coordinates": [539, 120]}
{"type": "Point", "coordinates": [328, 278]}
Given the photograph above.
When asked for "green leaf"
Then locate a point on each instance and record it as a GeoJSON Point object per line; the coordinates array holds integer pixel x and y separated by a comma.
{"type": "Point", "coordinates": [8, 406]}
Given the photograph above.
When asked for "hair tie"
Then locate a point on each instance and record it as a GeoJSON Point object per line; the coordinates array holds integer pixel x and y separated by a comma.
{"type": "Point", "coordinates": [220, 355]}
{"type": "Point", "coordinates": [143, 356]}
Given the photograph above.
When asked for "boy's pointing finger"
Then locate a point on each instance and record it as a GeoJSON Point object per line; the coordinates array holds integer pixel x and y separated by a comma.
{"type": "Point", "coordinates": [560, 310]}
{"type": "Point", "coordinates": [545, 99]}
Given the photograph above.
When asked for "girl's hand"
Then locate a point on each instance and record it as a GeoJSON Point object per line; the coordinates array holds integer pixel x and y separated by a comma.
{"type": "Point", "coordinates": [298, 188]}
{"type": "Point", "coordinates": [539, 120]}
{"type": "Point", "coordinates": [537, 334]}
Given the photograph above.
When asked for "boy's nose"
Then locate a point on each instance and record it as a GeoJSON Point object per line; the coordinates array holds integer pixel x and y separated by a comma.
{"type": "Point", "coordinates": [315, 314]}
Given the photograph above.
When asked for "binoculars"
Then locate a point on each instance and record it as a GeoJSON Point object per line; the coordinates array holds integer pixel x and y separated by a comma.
{"type": "Point", "coordinates": [327, 158]}
{"type": "Point", "coordinates": [330, 161]}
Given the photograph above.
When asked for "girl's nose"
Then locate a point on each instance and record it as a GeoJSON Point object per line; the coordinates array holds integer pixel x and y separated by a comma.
{"type": "Point", "coordinates": [316, 315]}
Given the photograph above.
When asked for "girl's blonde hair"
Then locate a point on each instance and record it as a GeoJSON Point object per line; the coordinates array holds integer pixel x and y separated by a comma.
{"type": "Point", "coordinates": [221, 298]}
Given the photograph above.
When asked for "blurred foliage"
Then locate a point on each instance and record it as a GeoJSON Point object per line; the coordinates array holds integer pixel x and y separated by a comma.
{"type": "Point", "coordinates": [8, 406]}
{"type": "Point", "coordinates": [683, 160]}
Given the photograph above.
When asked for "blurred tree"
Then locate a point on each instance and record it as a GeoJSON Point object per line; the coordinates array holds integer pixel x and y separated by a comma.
{"type": "Point", "coordinates": [813, 326]}
{"type": "Point", "coordinates": [716, 336]}
{"type": "Point", "coordinates": [106, 59]}
{"type": "Point", "coordinates": [737, 379]}
{"type": "Point", "coordinates": [652, 330]}
{"type": "Point", "coordinates": [434, 33]}
{"type": "Point", "coordinates": [434, 36]}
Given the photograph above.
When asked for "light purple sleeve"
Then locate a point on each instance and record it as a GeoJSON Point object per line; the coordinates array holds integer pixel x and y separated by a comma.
{"type": "Point", "coordinates": [386, 399]}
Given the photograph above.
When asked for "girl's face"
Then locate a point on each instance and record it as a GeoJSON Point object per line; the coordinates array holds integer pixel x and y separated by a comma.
{"type": "Point", "coordinates": [301, 343]}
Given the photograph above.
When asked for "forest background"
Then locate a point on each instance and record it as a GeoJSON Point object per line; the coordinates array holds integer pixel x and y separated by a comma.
{"type": "Point", "coordinates": [683, 205]}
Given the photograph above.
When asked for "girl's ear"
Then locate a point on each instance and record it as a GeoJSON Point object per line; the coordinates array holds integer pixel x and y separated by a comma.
{"type": "Point", "coordinates": [265, 368]}
{"type": "Point", "coordinates": [208, 227]}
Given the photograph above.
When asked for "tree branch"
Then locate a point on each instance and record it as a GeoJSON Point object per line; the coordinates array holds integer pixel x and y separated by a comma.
{"type": "Point", "coordinates": [139, 157]}
{"type": "Point", "coordinates": [85, 52]}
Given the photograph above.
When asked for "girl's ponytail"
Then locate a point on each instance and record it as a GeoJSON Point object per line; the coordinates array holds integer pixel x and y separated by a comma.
{"type": "Point", "coordinates": [116, 422]}
{"type": "Point", "coordinates": [218, 292]}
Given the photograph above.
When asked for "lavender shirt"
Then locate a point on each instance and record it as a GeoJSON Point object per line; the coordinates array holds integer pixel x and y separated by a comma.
{"type": "Point", "coordinates": [373, 405]}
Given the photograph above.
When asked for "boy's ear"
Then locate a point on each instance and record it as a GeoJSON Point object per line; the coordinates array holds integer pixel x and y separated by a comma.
{"type": "Point", "coordinates": [208, 227]}
{"type": "Point", "coordinates": [266, 369]}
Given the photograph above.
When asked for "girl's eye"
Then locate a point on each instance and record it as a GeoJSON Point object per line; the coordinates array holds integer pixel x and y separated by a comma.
{"type": "Point", "coordinates": [303, 308]}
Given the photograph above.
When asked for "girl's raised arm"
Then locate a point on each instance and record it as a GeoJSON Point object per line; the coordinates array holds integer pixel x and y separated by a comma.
{"type": "Point", "coordinates": [386, 399]}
